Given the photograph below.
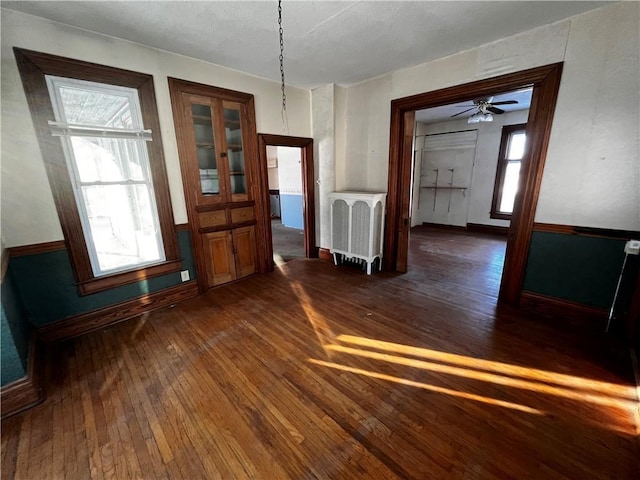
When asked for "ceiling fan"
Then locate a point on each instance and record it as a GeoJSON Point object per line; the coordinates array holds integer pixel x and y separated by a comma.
{"type": "Point", "coordinates": [484, 106]}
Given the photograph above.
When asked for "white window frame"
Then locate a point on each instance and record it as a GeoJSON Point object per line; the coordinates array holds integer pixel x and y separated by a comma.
{"type": "Point", "coordinates": [54, 83]}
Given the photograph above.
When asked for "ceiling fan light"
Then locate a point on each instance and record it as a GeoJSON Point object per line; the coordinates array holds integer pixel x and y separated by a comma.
{"type": "Point", "coordinates": [487, 117]}
{"type": "Point", "coordinates": [475, 118]}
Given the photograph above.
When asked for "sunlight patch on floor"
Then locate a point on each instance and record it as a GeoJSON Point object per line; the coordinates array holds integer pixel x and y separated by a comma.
{"type": "Point", "coordinates": [622, 391]}
{"type": "Point", "coordinates": [426, 386]}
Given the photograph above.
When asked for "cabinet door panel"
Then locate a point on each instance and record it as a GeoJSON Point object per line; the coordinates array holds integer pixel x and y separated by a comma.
{"type": "Point", "coordinates": [201, 114]}
{"type": "Point", "coordinates": [221, 266]}
{"type": "Point", "coordinates": [232, 117]}
{"type": "Point", "coordinates": [245, 245]}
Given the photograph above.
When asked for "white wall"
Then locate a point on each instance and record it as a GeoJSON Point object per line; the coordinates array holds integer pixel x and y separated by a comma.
{"type": "Point", "coordinates": [592, 171]}
{"type": "Point", "coordinates": [324, 140]}
{"type": "Point", "coordinates": [290, 170]}
{"type": "Point", "coordinates": [28, 211]}
{"type": "Point", "coordinates": [272, 173]}
{"type": "Point", "coordinates": [485, 161]}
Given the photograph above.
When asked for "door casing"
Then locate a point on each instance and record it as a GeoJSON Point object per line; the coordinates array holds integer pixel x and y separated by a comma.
{"type": "Point", "coordinates": [545, 81]}
{"type": "Point", "coordinates": [308, 195]}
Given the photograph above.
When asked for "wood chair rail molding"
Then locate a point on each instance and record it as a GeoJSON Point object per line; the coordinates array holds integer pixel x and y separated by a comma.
{"type": "Point", "coordinates": [545, 81]}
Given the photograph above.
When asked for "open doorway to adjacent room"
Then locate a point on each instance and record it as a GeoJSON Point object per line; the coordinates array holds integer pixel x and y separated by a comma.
{"type": "Point", "coordinates": [466, 164]}
{"type": "Point", "coordinates": [288, 177]}
{"type": "Point", "coordinates": [285, 200]}
{"type": "Point", "coordinates": [545, 83]}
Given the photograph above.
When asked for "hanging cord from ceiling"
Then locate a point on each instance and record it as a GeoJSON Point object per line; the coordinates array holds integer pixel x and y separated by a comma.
{"type": "Point", "coordinates": [283, 113]}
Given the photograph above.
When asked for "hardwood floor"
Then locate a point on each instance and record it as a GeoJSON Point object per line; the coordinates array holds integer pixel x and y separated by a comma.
{"type": "Point", "coordinates": [317, 371]}
{"type": "Point", "coordinates": [288, 243]}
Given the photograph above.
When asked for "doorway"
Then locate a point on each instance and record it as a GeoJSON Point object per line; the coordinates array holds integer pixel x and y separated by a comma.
{"type": "Point", "coordinates": [545, 82]}
{"type": "Point", "coordinates": [466, 162]}
{"type": "Point", "coordinates": [287, 172]}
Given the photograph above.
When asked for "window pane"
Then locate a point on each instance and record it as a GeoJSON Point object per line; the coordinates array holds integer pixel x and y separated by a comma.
{"type": "Point", "coordinates": [85, 105]}
{"type": "Point", "coordinates": [205, 149]}
{"type": "Point", "coordinates": [235, 154]}
{"type": "Point", "coordinates": [109, 159]}
{"type": "Point", "coordinates": [516, 146]}
{"type": "Point", "coordinates": [123, 226]}
{"type": "Point", "coordinates": [510, 187]}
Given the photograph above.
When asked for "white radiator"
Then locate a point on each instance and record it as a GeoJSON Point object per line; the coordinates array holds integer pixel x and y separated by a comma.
{"type": "Point", "coordinates": [357, 226]}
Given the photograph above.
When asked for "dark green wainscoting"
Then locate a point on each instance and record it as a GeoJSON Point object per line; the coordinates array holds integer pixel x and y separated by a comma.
{"type": "Point", "coordinates": [14, 332]}
{"type": "Point", "coordinates": [46, 285]}
{"type": "Point", "coordinates": [581, 269]}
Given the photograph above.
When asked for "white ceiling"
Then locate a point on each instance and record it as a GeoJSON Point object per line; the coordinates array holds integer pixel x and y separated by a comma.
{"type": "Point", "coordinates": [443, 114]}
{"type": "Point", "coordinates": [342, 42]}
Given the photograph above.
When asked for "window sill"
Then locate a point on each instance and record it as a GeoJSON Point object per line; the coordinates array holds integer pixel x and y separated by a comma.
{"type": "Point", "coordinates": [500, 216]}
{"type": "Point", "coordinates": [100, 284]}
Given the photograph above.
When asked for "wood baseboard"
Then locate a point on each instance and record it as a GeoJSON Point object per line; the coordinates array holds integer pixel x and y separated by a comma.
{"type": "Point", "coordinates": [577, 313]}
{"type": "Point", "coordinates": [96, 319]}
{"type": "Point", "coordinates": [325, 254]}
{"type": "Point", "coordinates": [25, 392]}
{"type": "Point", "coordinates": [492, 229]}
{"type": "Point", "coordinates": [440, 226]}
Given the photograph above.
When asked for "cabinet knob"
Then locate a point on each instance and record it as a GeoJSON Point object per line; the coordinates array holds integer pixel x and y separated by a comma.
{"type": "Point", "coordinates": [223, 154]}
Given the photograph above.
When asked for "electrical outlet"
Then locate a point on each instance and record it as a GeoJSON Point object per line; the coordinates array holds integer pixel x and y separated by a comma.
{"type": "Point", "coordinates": [184, 274]}
{"type": "Point", "coordinates": [632, 247]}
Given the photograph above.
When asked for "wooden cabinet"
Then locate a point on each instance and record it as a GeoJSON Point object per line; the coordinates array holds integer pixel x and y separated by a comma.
{"type": "Point", "coordinates": [230, 254]}
{"type": "Point", "coordinates": [217, 144]}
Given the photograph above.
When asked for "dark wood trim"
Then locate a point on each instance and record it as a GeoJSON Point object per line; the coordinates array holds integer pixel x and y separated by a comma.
{"type": "Point", "coordinates": [100, 284]}
{"type": "Point", "coordinates": [501, 168]}
{"type": "Point", "coordinates": [441, 226]}
{"type": "Point", "coordinates": [183, 227]}
{"type": "Point", "coordinates": [224, 206]}
{"type": "Point", "coordinates": [558, 307]}
{"type": "Point", "coordinates": [553, 228]}
{"type": "Point", "coordinates": [586, 231]}
{"type": "Point", "coordinates": [205, 90]}
{"type": "Point", "coordinates": [227, 226]}
{"type": "Point", "coordinates": [492, 229]}
{"type": "Point", "coordinates": [25, 392]}
{"type": "Point", "coordinates": [4, 263]}
{"type": "Point", "coordinates": [103, 317]}
{"type": "Point", "coordinates": [545, 81]}
{"type": "Point", "coordinates": [33, 66]}
{"type": "Point", "coordinates": [308, 191]}
{"type": "Point", "coordinates": [325, 254]}
{"type": "Point", "coordinates": [37, 248]}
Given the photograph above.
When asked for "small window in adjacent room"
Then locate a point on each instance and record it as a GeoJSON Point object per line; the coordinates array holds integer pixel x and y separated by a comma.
{"type": "Point", "coordinates": [100, 139]}
{"type": "Point", "coordinates": [512, 148]}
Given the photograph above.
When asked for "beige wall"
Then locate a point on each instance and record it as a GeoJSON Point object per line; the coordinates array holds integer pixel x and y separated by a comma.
{"type": "Point", "coordinates": [592, 171]}
{"type": "Point", "coordinates": [28, 211]}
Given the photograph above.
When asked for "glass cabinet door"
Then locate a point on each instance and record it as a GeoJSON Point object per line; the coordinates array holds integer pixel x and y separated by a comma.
{"type": "Point", "coordinates": [205, 149]}
{"type": "Point", "coordinates": [235, 153]}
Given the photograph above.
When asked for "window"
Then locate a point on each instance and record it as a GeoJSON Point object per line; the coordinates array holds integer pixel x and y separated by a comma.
{"type": "Point", "coordinates": [106, 170]}
{"type": "Point", "coordinates": [512, 148]}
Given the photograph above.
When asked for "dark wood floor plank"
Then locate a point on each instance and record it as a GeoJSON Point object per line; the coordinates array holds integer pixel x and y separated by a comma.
{"type": "Point", "coordinates": [322, 372]}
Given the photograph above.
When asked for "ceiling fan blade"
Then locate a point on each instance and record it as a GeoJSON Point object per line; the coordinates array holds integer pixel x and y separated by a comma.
{"type": "Point", "coordinates": [505, 102]}
{"type": "Point", "coordinates": [495, 110]}
{"type": "Point", "coordinates": [464, 111]}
